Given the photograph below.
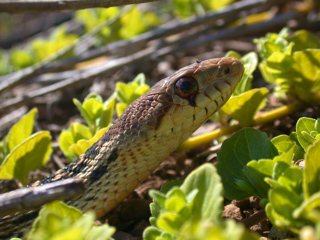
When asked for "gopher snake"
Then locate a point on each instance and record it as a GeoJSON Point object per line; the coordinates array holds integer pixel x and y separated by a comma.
{"type": "Point", "coordinates": [150, 129]}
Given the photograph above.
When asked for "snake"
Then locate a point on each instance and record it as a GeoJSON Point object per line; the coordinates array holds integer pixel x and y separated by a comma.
{"type": "Point", "coordinates": [148, 131]}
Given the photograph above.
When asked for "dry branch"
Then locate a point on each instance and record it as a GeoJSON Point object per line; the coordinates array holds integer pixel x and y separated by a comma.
{"type": "Point", "coordinates": [33, 198]}
{"type": "Point", "coordinates": [11, 80]}
{"type": "Point", "coordinates": [152, 53]}
{"type": "Point", "coordinates": [230, 12]}
{"type": "Point", "coordinates": [23, 6]}
{"type": "Point", "coordinates": [191, 35]}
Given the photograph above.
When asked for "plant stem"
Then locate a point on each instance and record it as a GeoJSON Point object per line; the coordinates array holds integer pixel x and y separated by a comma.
{"type": "Point", "coordinates": [258, 120]}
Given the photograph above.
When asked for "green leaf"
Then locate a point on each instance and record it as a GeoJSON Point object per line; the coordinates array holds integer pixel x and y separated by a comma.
{"type": "Point", "coordinates": [245, 145]}
{"type": "Point", "coordinates": [170, 222]}
{"type": "Point", "coordinates": [206, 230]}
{"type": "Point", "coordinates": [83, 112]}
{"type": "Point", "coordinates": [303, 40]}
{"type": "Point", "coordinates": [278, 169]}
{"type": "Point", "coordinates": [124, 92]}
{"type": "Point", "coordinates": [120, 108]}
{"type": "Point", "coordinates": [22, 129]}
{"type": "Point", "coordinates": [158, 197]}
{"type": "Point", "coordinates": [292, 179]}
{"type": "Point", "coordinates": [140, 79]}
{"type": "Point", "coordinates": [250, 62]}
{"type": "Point", "coordinates": [286, 157]}
{"type": "Point", "coordinates": [244, 106]}
{"type": "Point", "coordinates": [317, 125]}
{"type": "Point", "coordinates": [57, 221]}
{"type": "Point", "coordinates": [95, 96]}
{"type": "Point", "coordinates": [307, 125]}
{"type": "Point", "coordinates": [308, 207]}
{"type": "Point", "coordinates": [66, 139]}
{"type": "Point", "coordinates": [29, 155]}
{"type": "Point", "coordinates": [80, 131]}
{"type": "Point", "coordinates": [152, 233]}
{"type": "Point", "coordinates": [208, 202]}
{"type": "Point", "coordinates": [282, 203]}
{"type": "Point", "coordinates": [83, 145]}
{"type": "Point", "coordinates": [183, 8]}
{"type": "Point", "coordinates": [278, 62]}
{"type": "Point", "coordinates": [283, 143]}
{"type": "Point", "coordinates": [21, 58]}
{"type": "Point", "coordinates": [306, 72]}
{"type": "Point", "coordinates": [43, 48]}
{"type": "Point", "coordinates": [107, 114]}
{"type": "Point", "coordinates": [256, 172]}
{"type": "Point", "coordinates": [176, 200]}
{"type": "Point", "coordinates": [135, 22]}
{"type": "Point", "coordinates": [273, 43]}
{"type": "Point", "coordinates": [93, 108]}
{"type": "Point", "coordinates": [312, 170]}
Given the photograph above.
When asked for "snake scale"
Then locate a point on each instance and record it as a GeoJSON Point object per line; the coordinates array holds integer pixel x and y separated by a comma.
{"type": "Point", "coordinates": [149, 130]}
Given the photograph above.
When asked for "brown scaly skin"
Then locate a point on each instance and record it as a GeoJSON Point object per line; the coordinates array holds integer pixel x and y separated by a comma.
{"type": "Point", "coordinates": [150, 129]}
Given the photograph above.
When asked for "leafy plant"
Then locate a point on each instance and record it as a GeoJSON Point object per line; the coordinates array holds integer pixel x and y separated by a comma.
{"type": "Point", "coordinates": [126, 26]}
{"type": "Point", "coordinates": [57, 220]}
{"type": "Point", "coordinates": [236, 152]}
{"type": "Point", "coordinates": [78, 138]}
{"type": "Point", "coordinates": [126, 93]}
{"type": "Point", "coordinates": [21, 151]}
{"type": "Point", "coordinates": [38, 50]}
{"type": "Point", "coordinates": [98, 116]}
{"type": "Point", "coordinates": [292, 63]}
{"type": "Point", "coordinates": [250, 165]}
{"type": "Point", "coordinates": [193, 210]}
{"type": "Point", "coordinates": [187, 8]}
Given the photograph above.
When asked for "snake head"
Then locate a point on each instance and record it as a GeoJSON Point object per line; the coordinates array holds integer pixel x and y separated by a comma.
{"type": "Point", "coordinates": [183, 100]}
{"type": "Point", "coordinates": [197, 91]}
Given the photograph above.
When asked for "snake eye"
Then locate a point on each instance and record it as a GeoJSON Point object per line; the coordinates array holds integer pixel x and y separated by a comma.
{"type": "Point", "coordinates": [186, 87]}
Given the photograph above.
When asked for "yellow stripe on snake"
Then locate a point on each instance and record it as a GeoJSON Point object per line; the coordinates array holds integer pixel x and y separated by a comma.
{"type": "Point", "coordinates": [149, 130]}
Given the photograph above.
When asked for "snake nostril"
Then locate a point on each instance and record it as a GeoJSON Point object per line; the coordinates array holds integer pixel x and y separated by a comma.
{"type": "Point", "coordinates": [226, 70]}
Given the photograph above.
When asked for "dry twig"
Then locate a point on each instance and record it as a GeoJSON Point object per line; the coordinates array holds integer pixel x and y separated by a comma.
{"type": "Point", "coordinates": [26, 199]}
{"type": "Point", "coordinates": [22, 6]}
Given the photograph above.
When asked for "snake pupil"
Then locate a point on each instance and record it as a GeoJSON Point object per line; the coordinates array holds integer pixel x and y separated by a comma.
{"type": "Point", "coordinates": [186, 87]}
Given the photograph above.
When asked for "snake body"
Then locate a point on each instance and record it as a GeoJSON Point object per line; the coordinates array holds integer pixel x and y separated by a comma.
{"type": "Point", "coordinates": [150, 129]}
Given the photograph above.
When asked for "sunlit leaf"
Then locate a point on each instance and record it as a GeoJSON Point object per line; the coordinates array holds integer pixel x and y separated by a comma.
{"type": "Point", "coordinates": [57, 221]}
{"type": "Point", "coordinates": [244, 106]}
{"type": "Point", "coordinates": [22, 129]}
{"type": "Point", "coordinates": [83, 145]}
{"type": "Point", "coordinates": [107, 114]}
{"type": "Point", "coordinates": [80, 131]}
{"type": "Point", "coordinates": [305, 125]}
{"type": "Point", "coordinates": [208, 202]}
{"type": "Point", "coordinates": [312, 170]}
{"type": "Point", "coordinates": [283, 144]}
{"type": "Point", "coordinates": [120, 108]}
{"type": "Point", "coordinates": [29, 155]}
{"type": "Point", "coordinates": [93, 108]}
{"type": "Point", "coordinates": [83, 112]}
{"type": "Point", "coordinates": [304, 39]}
{"type": "Point", "coordinates": [66, 139]}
